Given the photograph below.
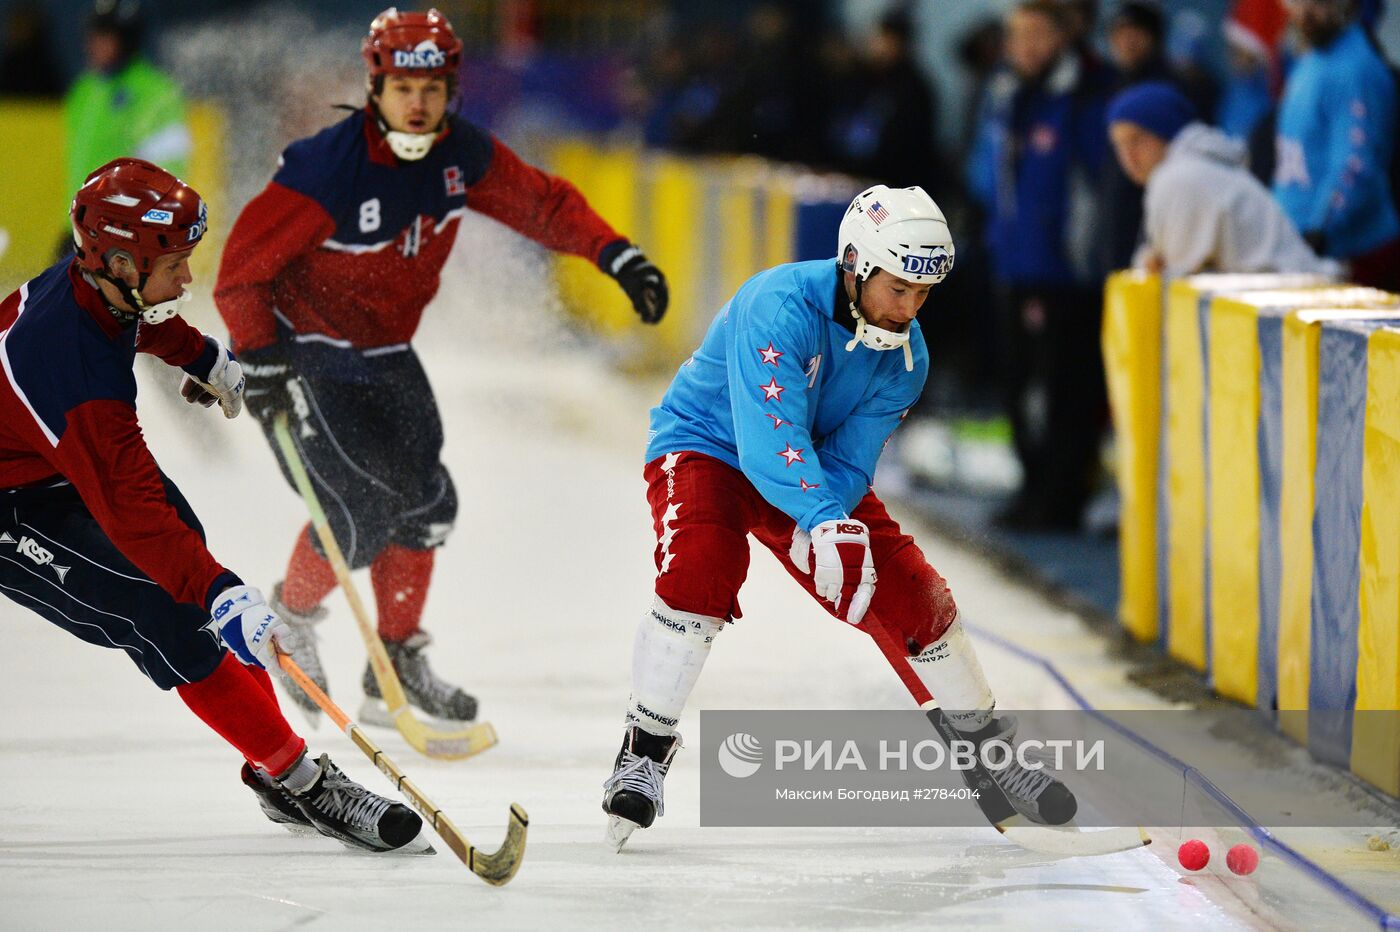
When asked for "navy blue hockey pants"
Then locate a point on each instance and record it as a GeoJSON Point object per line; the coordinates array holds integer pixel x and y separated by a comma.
{"type": "Point", "coordinates": [367, 427]}
{"type": "Point", "coordinates": [55, 560]}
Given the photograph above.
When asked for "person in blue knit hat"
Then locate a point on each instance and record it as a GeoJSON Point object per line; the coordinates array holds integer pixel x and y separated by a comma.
{"type": "Point", "coordinates": [1203, 210]}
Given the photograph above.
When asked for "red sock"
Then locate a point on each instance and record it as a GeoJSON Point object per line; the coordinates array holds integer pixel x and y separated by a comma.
{"type": "Point", "coordinates": [265, 682]}
{"type": "Point", "coordinates": [232, 701]}
{"type": "Point", "coordinates": [400, 578]}
{"type": "Point", "coordinates": [309, 578]}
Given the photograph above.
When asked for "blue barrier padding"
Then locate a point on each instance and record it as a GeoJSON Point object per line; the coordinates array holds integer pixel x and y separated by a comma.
{"type": "Point", "coordinates": [1336, 530]}
{"type": "Point", "coordinates": [1164, 601]}
{"type": "Point", "coordinates": [1270, 439]}
{"type": "Point", "coordinates": [816, 224]}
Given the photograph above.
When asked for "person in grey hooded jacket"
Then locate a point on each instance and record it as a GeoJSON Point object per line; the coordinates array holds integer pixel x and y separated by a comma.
{"type": "Point", "coordinates": [1203, 210]}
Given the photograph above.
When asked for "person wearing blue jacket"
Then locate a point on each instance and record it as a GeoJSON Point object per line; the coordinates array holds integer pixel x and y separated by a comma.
{"type": "Point", "coordinates": [1040, 150]}
{"type": "Point", "coordinates": [773, 428]}
{"type": "Point", "coordinates": [1336, 138]}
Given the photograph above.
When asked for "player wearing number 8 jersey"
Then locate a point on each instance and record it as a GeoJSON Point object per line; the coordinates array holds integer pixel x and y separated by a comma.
{"type": "Point", "coordinates": [773, 428]}
{"type": "Point", "coordinates": [322, 284]}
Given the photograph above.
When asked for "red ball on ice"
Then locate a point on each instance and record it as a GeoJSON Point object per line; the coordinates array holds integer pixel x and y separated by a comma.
{"type": "Point", "coordinates": [1242, 859]}
{"type": "Point", "coordinates": [1193, 854]}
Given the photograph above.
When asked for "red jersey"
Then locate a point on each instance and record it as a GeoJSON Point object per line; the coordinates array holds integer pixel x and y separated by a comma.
{"type": "Point", "coordinates": [68, 412]}
{"type": "Point", "coordinates": [347, 243]}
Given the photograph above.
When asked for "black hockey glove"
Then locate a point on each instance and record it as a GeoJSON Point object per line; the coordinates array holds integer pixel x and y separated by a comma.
{"type": "Point", "coordinates": [643, 282]}
{"type": "Point", "coordinates": [268, 373]}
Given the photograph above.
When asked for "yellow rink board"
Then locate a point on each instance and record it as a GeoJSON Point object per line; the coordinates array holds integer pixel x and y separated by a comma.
{"type": "Point", "coordinates": [1375, 746]}
{"type": "Point", "coordinates": [1131, 337]}
{"type": "Point", "coordinates": [1184, 449]}
{"type": "Point", "coordinates": [1233, 455]}
{"type": "Point", "coordinates": [1186, 477]}
{"type": "Point", "coordinates": [609, 176]}
{"type": "Point", "coordinates": [34, 204]}
{"type": "Point", "coordinates": [1233, 513]}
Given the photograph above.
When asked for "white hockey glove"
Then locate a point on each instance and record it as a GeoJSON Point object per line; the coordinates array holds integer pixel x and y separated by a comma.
{"type": "Point", "coordinates": [223, 384]}
{"type": "Point", "coordinates": [248, 627]}
{"type": "Point", "coordinates": [843, 563]}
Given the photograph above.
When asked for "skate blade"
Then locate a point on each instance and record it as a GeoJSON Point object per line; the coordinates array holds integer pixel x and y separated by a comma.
{"type": "Point", "coordinates": [420, 846]}
{"type": "Point", "coordinates": [375, 712]}
{"type": "Point", "coordinates": [618, 831]}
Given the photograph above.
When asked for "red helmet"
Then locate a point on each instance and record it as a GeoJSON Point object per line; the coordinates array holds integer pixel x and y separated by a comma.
{"type": "Point", "coordinates": [411, 44]}
{"type": "Point", "coordinates": [138, 208]}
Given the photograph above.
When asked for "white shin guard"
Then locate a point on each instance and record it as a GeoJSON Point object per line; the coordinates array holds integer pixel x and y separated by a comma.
{"type": "Point", "coordinates": [668, 654]}
{"type": "Point", "coordinates": [952, 673]}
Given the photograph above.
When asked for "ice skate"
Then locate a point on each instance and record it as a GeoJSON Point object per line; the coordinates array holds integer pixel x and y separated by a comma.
{"type": "Point", "coordinates": [435, 698]}
{"type": "Point", "coordinates": [1037, 794]}
{"type": "Point", "coordinates": [634, 795]}
{"type": "Point", "coordinates": [342, 809]}
{"type": "Point", "coordinates": [304, 652]}
{"type": "Point", "coordinates": [276, 802]}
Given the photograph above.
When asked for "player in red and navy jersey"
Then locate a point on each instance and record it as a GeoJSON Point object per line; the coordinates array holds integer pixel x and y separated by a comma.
{"type": "Point", "coordinates": [96, 539]}
{"type": "Point", "coordinates": [323, 282]}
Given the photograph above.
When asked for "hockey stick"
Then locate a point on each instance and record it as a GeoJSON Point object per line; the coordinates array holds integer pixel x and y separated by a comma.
{"type": "Point", "coordinates": [497, 867]}
{"type": "Point", "coordinates": [1066, 840]}
{"type": "Point", "coordinates": [447, 745]}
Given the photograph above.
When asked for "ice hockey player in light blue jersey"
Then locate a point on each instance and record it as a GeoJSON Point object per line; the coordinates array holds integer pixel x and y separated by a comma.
{"type": "Point", "coordinates": [788, 339]}
{"type": "Point", "coordinates": [773, 428]}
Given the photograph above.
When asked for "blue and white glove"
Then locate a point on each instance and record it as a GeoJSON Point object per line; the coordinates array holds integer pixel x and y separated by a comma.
{"type": "Point", "coordinates": [223, 382]}
{"type": "Point", "coordinates": [843, 564]}
{"type": "Point", "coordinates": [248, 627]}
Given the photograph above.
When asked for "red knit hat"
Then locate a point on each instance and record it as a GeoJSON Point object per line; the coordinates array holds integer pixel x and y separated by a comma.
{"type": "Point", "coordinates": [1257, 26]}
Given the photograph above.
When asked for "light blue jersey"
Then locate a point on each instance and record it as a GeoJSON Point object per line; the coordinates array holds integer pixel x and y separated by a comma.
{"type": "Point", "coordinates": [773, 392]}
{"type": "Point", "coordinates": [1336, 133]}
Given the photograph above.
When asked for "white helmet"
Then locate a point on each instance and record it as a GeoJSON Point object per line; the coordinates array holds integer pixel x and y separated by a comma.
{"type": "Point", "coordinates": [902, 231]}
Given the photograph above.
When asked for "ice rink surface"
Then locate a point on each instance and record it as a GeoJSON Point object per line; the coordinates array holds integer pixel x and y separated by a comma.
{"type": "Point", "coordinates": [121, 811]}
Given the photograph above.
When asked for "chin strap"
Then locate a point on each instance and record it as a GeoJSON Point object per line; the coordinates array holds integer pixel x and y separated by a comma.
{"type": "Point", "coordinates": [408, 146]}
{"type": "Point", "coordinates": [877, 338]}
{"type": "Point", "coordinates": [148, 314]}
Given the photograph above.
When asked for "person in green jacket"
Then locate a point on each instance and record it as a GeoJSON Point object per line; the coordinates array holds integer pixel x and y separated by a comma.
{"type": "Point", "coordinates": [122, 104]}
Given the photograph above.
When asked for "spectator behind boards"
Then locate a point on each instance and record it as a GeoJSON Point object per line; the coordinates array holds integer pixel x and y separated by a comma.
{"type": "Point", "coordinates": [1336, 136]}
{"type": "Point", "coordinates": [1203, 210]}
{"type": "Point", "coordinates": [122, 105]}
{"type": "Point", "coordinates": [1040, 141]}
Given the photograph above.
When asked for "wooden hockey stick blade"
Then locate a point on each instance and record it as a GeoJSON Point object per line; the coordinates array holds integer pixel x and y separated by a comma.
{"type": "Point", "coordinates": [495, 867]}
{"type": "Point", "coordinates": [423, 738]}
{"type": "Point", "coordinates": [1070, 840]}
{"type": "Point", "coordinates": [444, 745]}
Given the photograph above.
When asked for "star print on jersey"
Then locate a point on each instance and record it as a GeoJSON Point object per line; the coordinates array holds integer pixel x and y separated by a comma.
{"type": "Point", "coordinates": [806, 485]}
{"type": "Point", "coordinates": [770, 355]}
{"type": "Point", "coordinates": [777, 421]}
{"type": "Point", "coordinates": [772, 391]}
{"type": "Point", "coordinates": [791, 455]}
